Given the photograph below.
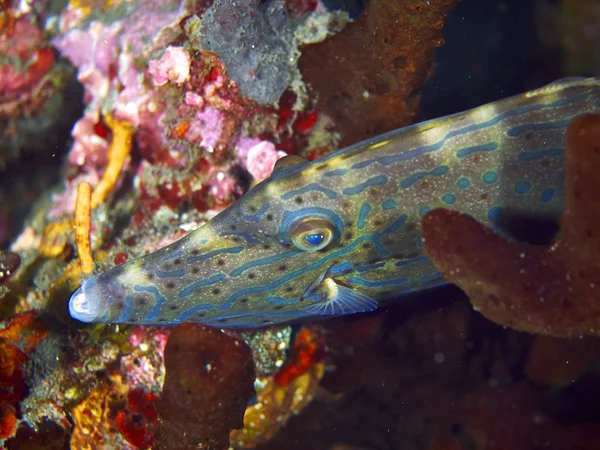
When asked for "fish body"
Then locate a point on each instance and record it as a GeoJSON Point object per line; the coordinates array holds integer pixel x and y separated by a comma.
{"type": "Point", "coordinates": [339, 234]}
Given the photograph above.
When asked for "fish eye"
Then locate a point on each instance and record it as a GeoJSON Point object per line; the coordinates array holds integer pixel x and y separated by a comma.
{"type": "Point", "coordinates": [312, 234]}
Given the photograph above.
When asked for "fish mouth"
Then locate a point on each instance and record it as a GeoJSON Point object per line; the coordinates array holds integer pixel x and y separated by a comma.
{"type": "Point", "coordinates": [84, 305]}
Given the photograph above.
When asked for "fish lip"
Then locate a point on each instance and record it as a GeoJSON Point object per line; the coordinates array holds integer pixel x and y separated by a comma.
{"type": "Point", "coordinates": [84, 305]}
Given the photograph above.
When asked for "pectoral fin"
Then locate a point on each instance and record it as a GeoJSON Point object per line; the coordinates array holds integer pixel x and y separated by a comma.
{"type": "Point", "coordinates": [336, 299]}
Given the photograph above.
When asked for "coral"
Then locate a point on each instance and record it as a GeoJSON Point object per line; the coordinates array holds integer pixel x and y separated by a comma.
{"type": "Point", "coordinates": [258, 43]}
{"type": "Point", "coordinates": [255, 42]}
{"type": "Point", "coordinates": [275, 405]}
{"type": "Point", "coordinates": [118, 152]}
{"type": "Point", "coordinates": [143, 365]}
{"type": "Point", "coordinates": [138, 421]}
{"type": "Point", "coordinates": [209, 381]}
{"type": "Point", "coordinates": [261, 159]}
{"type": "Point", "coordinates": [173, 66]}
{"type": "Point", "coordinates": [94, 420]}
{"type": "Point", "coordinates": [82, 226]}
{"type": "Point", "coordinates": [551, 290]}
{"type": "Point", "coordinates": [285, 394]}
{"type": "Point", "coordinates": [374, 87]}
{"type": "Point", "coordinates": [269, 348]}
{"type": "Point", "coordinates": [18, 339]}
{"type": "Point", "coordinates": [306, 352]}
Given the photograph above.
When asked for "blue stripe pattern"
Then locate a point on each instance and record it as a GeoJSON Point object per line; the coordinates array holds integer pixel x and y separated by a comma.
{"type": "Point", "coordinates": [532, 156]}
{"type": "Point", "coordinates": [378, 180]}
{"type": "Point", "coordinates": [419, 151]}
{"type": "Point", "coordinates": [159, 299]}
{"type": "Point", "coordinates": [201, 283]}
{"type": "Point", "coordinates": [463, 152]}
{"type": "Point", "coordinates": [415, 177]}
{"type": "Point", "coordinates": [220, 251]}
{"type": "Point", "coordinates": [311, 187]}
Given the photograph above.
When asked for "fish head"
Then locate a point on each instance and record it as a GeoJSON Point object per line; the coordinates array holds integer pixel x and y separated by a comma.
{"type": "Point", "coordinates": [256, 263]}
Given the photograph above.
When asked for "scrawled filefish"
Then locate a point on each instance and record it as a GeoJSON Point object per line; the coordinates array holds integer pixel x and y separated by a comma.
{"type": "Point", "coordinates": [339, 234]}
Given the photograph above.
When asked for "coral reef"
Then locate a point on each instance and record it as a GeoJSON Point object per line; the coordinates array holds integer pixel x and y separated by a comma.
{"type": "Point", "coordinates": [209, 382]}
{"type": "Point", "coordinates": [18, 338]}
{"type": "Point", "coordinates": [182, 115]}
{"type": "Point", "coordinates": [550, 290]}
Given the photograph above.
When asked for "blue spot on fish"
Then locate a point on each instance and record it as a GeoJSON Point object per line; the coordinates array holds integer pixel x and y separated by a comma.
{"type": "Point", "coordinates": [490, 177]}
{"type": "Point", "coordinates": [388, 204]}
{"type": "Point", "coordinates": [415, 177]}
{"type": "Point", "coordinates": [522, 187]}
{"type": "Point", "coordinates": [424, 211]}
{"type": "Point", "coordinates": [548, 195]}
{"type": "Point", "coordinates": [378, 180]}
{"type": "Point", "coordinates": [365, 209]}
{"type": "Point", "coordinates": [463, 183]}
{"type": "Point", "coordinates": [449, 199]}
{"type": "Point", "coordinates": [490, 146]}
{"type": "Point", "coordinates": [494, 213]}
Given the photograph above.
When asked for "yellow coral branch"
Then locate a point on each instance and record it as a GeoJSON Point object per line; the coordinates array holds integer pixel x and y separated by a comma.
{"type": "Point", "coordinates": [120, 148]}
{"type": "Point", "coordinates": [82, 226]}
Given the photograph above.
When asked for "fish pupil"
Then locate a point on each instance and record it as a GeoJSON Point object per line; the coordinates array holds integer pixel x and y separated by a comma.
{"type": "Point", "coordinates": [314, 238]}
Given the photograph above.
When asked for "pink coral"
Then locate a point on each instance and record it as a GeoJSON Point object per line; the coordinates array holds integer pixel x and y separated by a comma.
{"type": "Point", "coordinates": [174, 66]}
{"type": "Point", "coordinates": [107, 57]}
{"type": "Point", "coordinates": [222, 187]}
{"type": "Point", "coordinates": [193, 99]}
{"type": "Point", "coordinates": [89, 149]}
{"type": "Point", "coordinates": [261, 159]}
{"type": "Point", "coordinates": [206, 128]}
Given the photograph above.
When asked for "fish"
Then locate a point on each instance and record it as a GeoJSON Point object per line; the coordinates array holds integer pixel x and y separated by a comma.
{"type": "Point", "coordinates": [342, 234]}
